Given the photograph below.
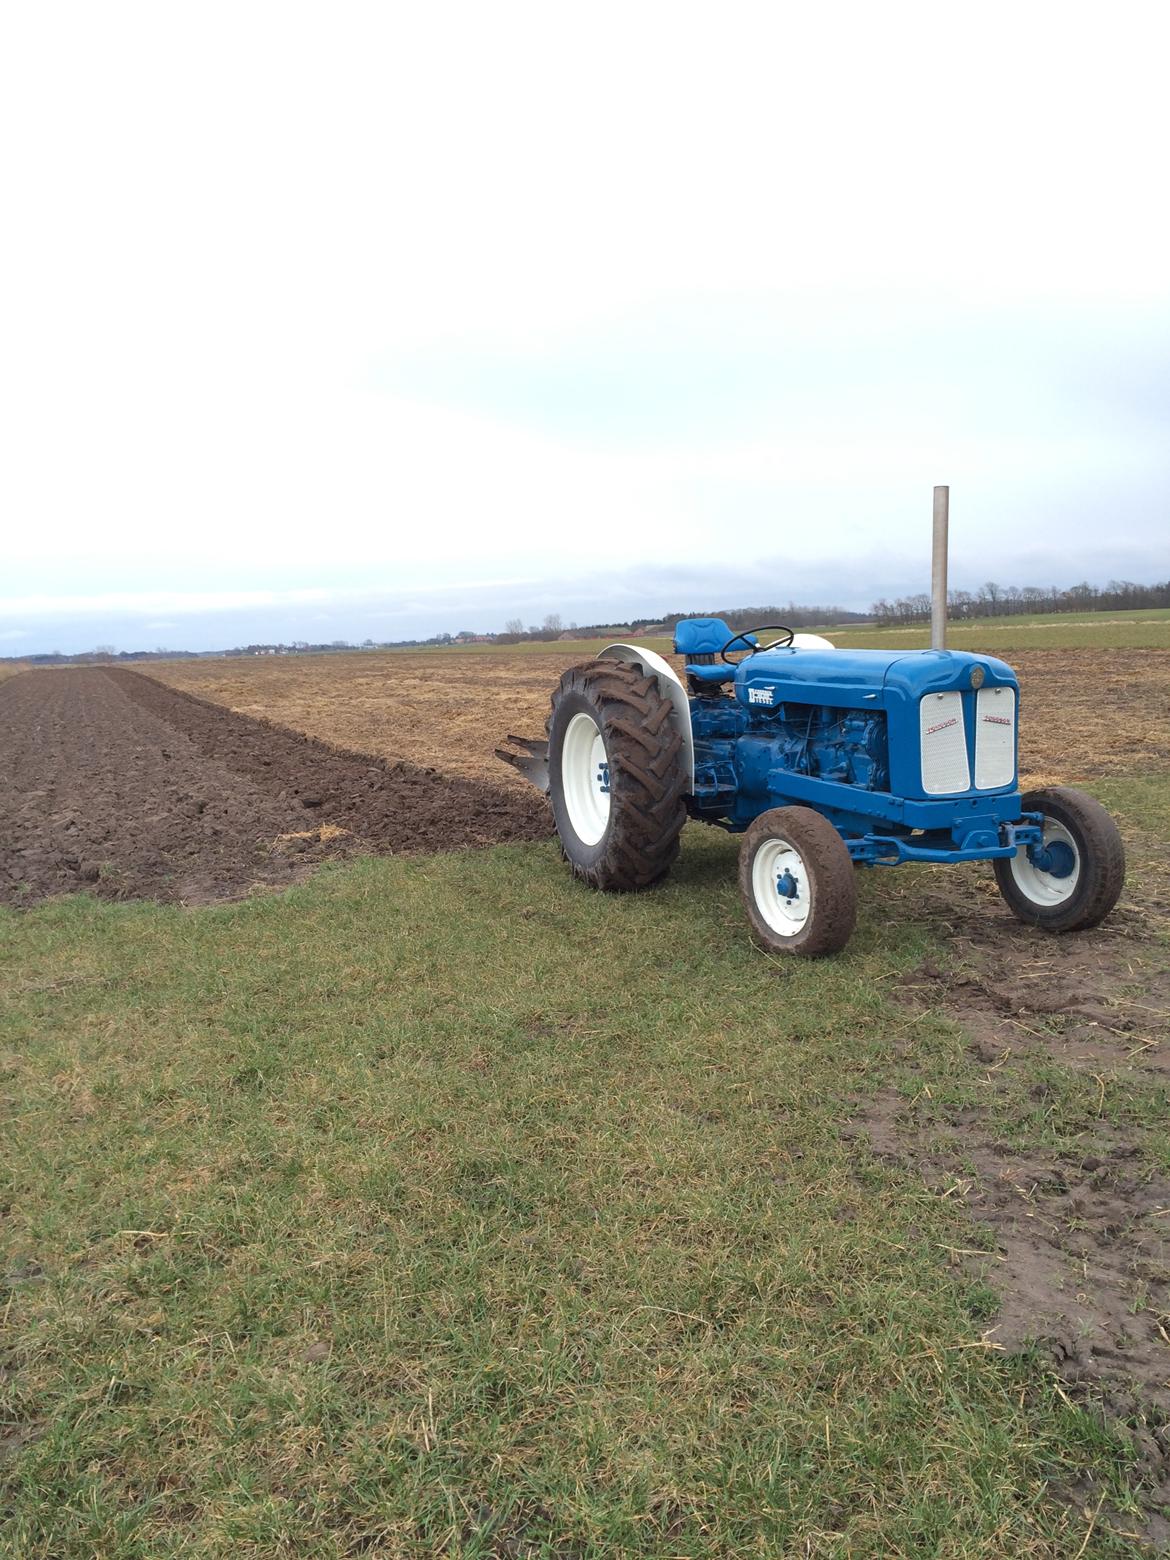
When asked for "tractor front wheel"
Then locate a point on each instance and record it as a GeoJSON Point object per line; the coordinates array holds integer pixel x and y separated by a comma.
{"type": "Point", "coordinates": [617, 775]}
{"type": "Point", "coordinates": [1075, 876]}
{"type": "Point", "coordinates": [797, 881]}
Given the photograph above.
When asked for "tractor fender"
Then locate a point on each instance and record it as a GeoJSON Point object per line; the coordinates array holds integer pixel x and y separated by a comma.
{"type": "Point", "coordinates": [671, 687]}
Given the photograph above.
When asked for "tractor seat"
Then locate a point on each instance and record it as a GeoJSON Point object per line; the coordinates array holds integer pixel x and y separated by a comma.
{"type": "Point", "coordinates": [701, 638]}
{"type": "Point", "coordinates": [699, 641]}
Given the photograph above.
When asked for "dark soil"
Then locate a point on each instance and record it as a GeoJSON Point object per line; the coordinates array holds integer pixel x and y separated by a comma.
{"type": "Point", "coordinates": [112, 783]}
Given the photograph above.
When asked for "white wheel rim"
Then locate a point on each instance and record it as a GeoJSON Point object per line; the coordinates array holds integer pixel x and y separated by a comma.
{"type": "Point", "coordinates": [585, 779]}
{"type": "Point", "coordinates": [1044, 888]}
{"type": "Point", "coordinates": [777, 868]}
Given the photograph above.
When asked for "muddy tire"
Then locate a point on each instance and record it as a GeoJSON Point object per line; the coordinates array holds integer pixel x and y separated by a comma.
{"type": "Point", "coordinates": [798, 884]}
{"type": "Point", "coordinates": [1075, 878]}
{"type": "Point", "coordinates": [617, 775]}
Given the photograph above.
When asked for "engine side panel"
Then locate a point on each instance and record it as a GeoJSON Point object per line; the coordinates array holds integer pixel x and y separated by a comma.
{"type": "Point", "coordinates": [929, 754]}
{"type": "Point", "coordinates": [739, 749]}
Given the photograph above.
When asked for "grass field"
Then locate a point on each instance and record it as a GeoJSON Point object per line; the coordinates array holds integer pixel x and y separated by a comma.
{"type": "Point", "coordinates": [439, 1207]}
{"type": "Point", "coordinates": [1142, 628]}
{"type": "Point", "coordinates": [1136, 629]}
{"type": "Point", "coordinates": [1146, 629]}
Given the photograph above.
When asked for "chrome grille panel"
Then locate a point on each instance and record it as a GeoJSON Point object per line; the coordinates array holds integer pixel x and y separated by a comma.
{"type": "Point", "coordinates": [943, 739]}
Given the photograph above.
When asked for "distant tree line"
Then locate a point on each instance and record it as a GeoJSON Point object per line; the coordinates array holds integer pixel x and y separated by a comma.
{"type": "Point", "coordinates": [994, 600]}
{"type": "Point", "coordinates": [792, 616]}
{"type": "Point", "coordinates": [989, 600]}
{"type": "Point", "coordinates": [102, 654]}
{"type": "Point", "coordinates": [554, 627]}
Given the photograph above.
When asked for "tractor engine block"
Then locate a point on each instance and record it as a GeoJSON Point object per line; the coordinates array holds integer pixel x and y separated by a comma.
{"type": "Point", "coordinates": [736, 747]}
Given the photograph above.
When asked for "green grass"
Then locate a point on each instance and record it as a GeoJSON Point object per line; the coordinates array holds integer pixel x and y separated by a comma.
{"type": "Point", "coordinates": [440, 1207]}
{"type": "Point", "coordinates": [1146, 628]}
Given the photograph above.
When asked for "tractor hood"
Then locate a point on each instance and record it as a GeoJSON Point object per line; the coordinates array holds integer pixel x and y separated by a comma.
{"type": "Point", "coordinates": [949, 716]}
{"type": "Point", "coordinates": [861, 678]}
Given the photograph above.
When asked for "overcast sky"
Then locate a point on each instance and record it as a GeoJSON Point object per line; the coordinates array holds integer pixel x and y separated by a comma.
{"type": "Point", "coordinates": [326, 322]}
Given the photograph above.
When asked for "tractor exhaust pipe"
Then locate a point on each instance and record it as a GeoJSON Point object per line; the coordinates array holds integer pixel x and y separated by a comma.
{"type": "Point", "coordinates": [938, 570]}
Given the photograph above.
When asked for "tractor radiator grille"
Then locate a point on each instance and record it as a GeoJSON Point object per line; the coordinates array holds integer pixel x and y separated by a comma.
{"type": "Point", "coordinates": [995, 737]}
{"type": "Point", "coordinates": [944, 744]}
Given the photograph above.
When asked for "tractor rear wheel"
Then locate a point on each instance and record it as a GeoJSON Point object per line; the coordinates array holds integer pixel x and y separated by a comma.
{"type": "Point", "coordinates": [797, 881]}
{"type": "Point", "coordinates": [1074, 878]}
{"type": "Point", "coordinates": [617, 775]}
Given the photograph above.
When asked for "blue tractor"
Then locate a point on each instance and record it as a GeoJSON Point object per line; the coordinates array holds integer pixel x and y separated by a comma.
{"type": "Point", "coordinates": [824, 760]}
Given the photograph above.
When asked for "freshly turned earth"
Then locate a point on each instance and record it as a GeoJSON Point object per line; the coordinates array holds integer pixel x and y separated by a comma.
{"type": "Point", "coordinates": [112, 783]}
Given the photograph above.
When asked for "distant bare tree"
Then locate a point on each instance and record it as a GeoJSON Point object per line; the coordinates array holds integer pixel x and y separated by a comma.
{"type": "Point", "coordinates": [989, 596]}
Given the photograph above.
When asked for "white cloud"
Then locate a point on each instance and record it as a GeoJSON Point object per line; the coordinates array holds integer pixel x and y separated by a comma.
{"type": "Point", "coordinates": [245, 233]}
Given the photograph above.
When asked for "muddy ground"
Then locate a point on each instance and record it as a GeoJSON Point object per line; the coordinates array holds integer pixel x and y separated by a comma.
{"type": "Point", "coordinates": [1073, 1203]}
{"type": "Point", "coordinates": [113, 783]}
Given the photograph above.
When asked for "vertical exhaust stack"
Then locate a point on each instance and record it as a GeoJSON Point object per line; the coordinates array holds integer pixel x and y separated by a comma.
{"type": "Point", "coordinates": [938, 570]}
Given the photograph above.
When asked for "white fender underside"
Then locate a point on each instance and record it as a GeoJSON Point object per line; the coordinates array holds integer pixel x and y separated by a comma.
{"type": "Point", "coordinates": [668, 681]}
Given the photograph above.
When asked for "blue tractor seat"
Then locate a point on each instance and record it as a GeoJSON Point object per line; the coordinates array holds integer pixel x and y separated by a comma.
{"type": "Point", "coordinates": [695, 638]}
{"type": "Point", "coordinates": [699, 641]}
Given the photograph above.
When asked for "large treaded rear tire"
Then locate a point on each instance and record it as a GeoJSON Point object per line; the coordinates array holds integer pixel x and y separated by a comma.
{"type": "Point", "coordinates": [641, 814]}
{"type": "Point", "coordinates": [1083, 896]}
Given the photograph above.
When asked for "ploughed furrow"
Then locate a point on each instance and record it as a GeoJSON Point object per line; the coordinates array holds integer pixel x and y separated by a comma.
{"type": "Point", "coordinates": [112, 783]}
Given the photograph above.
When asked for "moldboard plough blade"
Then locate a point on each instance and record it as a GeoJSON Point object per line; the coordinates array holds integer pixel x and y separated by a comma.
{"type": "Point", "coordinates": [532, 762]}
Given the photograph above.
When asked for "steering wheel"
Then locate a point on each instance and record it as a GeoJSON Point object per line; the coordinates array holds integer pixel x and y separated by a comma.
{"type": "Point", "coordinates": [764, 628]}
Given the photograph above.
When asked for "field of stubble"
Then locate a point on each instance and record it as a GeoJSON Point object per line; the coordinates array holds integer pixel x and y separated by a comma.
{"type": "Point", "coordinates": [1085, 712]}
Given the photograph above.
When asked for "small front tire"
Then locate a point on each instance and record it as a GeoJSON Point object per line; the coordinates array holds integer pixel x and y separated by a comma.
{"type": "Point", "coordinates": [1075, 877]}
{"type": "Point", "coordinates": [797, 883]}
